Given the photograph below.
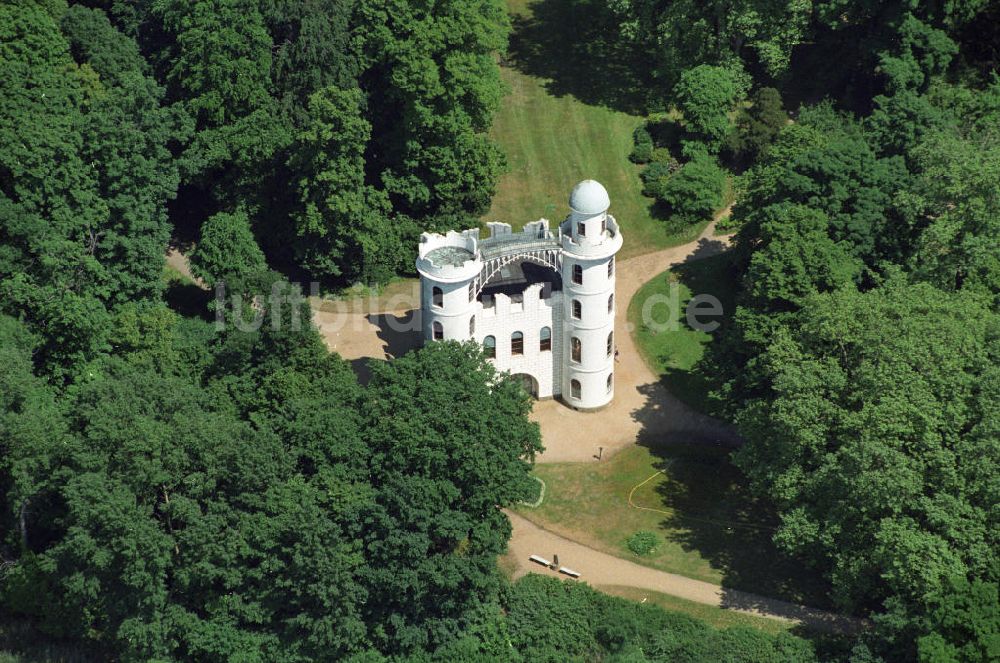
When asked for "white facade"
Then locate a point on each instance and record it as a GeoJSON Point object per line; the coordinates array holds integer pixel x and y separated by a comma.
{"type": "Point", "coordinates": [540, 302]}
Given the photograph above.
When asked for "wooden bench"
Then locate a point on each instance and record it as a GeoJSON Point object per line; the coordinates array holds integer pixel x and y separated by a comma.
{"type": "Point", "coordinates": [540, 560]}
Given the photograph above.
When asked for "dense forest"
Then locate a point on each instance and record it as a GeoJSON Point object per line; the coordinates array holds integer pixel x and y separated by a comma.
{"type": "Point", "coordinates": [863, 362]}
{"type": "Point", "coordinates": [174, 489]}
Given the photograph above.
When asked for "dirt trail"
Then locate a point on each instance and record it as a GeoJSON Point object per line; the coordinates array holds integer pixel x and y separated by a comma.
{"type": "Point", "coordinates": [179, 261]}
{"type": "Point", "coordinates": [641, 411]}
{"type": "Point", "coordinates": [599, 569]}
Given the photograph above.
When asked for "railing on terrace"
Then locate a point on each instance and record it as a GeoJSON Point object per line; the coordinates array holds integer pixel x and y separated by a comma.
{"type": "Point", "coordinates": [492, 247]}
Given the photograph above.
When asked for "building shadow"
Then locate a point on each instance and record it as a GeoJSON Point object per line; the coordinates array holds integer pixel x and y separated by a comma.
{"type": "Point", "coordinates": [573, 44]}
{"type": "Point", "coordinates": [399, 333]}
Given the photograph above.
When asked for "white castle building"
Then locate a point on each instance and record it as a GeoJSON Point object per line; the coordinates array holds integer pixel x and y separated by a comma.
{"type": "Point", "coordinates": [541, 303]}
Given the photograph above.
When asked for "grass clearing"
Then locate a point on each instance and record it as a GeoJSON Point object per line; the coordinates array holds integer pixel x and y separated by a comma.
{"type": "Point", "coordinates": [171, 275]}
{"type": "Point", "coordinates": [552, 141]}
{"type": "Point", "coordinates": [668, 344]}
{"type": "Point", "coordinates": [709, 527]}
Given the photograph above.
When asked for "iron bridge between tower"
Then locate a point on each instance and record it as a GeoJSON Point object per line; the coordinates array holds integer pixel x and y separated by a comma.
{"type": "Point", "coordinates": [500, 251]}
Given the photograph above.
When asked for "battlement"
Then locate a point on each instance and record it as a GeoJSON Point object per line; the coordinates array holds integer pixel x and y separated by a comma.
{"type": "Point", "coordinates": [452, 256]}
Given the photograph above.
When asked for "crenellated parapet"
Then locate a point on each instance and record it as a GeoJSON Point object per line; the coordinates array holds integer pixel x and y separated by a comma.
{"type": "Point", "coordinates": [450, 257]}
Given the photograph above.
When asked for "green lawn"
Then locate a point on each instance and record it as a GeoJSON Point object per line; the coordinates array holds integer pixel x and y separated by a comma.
{"type": "Point", "coordinates": [709, 527]}
{"type": "Point", "coordinates": [670, 347]}
{"type": "Point", "coordinates": [552, 141]}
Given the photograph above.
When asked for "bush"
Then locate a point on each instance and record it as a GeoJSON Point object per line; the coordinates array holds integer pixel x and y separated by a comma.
{"type": "Point", "coordinates": [227, 248]}
{"type": "Point", "coordinates": [642, 145]}
{"type": "Point", "coordinates": [758, 126]}
{"type": "Point", "coordinates": [642, 543]}
{"type": "Point", "coordinates": [695, 191]}
{"type": "Point", "coordinates": [549, 620]}
{"type": "Point", "coordinates": [663, 155]}
{"type": "Point", "coordinates": [654, 178]}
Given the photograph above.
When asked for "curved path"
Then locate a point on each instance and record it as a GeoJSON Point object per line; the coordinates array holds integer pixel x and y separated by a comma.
{"type": "Point", "coordinates": [598, 568]}
{"type": "Point", "coordinates": [642, 411]}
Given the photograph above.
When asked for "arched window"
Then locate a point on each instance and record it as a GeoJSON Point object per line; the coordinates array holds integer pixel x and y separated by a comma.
{"type": "Point", "coordinates": [517, 343]}
{"type": "Point", "coordinates": [438, 331]}
{"type": "Point", "coordinates": [581, 229]}
{"type": "Point", "coordinates": [490, 346]}
{"type": "Point", "coordinates": [578, 274]}
{"type": "Point", "coordinates": [576, 349]}
{"type": "Point", "coordinates": [577, 309]}
{"type": "Point", "coordinates": [574, 389]}
{"type": "Point", "coordinates": [472, 325]}
{"type": "Point", "coordinates": [437, 297]}
{"type": "Point", "coordinates": [611, 267]}
{"type": "Point", "coordinates": [611, 382]}
{"type": "Point", "coordinates": [545, 339]}
{"type": "Point", "coordinates": [611, 302]}
{"type": "Point", "coordinates": [611, 343]}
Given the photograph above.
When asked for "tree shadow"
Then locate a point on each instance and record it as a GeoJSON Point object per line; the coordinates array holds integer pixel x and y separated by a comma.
{"type": "Point", "coordinates": [574, 44]}
{"type": "Point", "coordinates": [188, 300]}
{"type": "Point", "coordinates": [834, 64]}
{"type": "Point", "coordinates": [709, 507]}
{"type": "Point", "coordinates": [362, 369]}
{"type": "Point", "coordinates": [714, 514]}
{"type": "Point", "coordinates": [706, 248]}
{"type": "Point", "coordinates": [706, 273]}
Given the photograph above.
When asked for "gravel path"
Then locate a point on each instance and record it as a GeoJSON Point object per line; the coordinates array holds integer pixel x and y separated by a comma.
{"type": "Point", "coordinates": [598, 568]}
{"type": "Point", "coordinates": [642, 411]}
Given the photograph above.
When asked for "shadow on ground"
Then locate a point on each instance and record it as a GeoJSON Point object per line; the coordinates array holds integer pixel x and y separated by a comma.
{"type": "Point", "coordinates": [399, 334]}
{"type": "Point", "coordinates": [712, 512]}
{"type": "Point", "coordinates": [574, 45]}
{"type": "Point", "coordinates": [188, 300]}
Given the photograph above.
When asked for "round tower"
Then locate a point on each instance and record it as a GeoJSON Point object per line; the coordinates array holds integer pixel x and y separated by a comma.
{"type": "Point", "coordinates": [448, 265]}
{"type": "Point", "coordinates": [590, 240]}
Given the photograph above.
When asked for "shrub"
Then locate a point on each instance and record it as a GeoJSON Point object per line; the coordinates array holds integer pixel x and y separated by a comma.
{"type": "Point", "coordinates": [663, 155]}
{"type": "Point", "coordinates": [654, 178]}
{"type": "Point", "coordinates": [549, 620]}
{"type": "Point", "coordinates": [227, 248]}
{"type": "Point", "coordinates": [642, 543]}
{"type": "Point", "coordinates": [758, 126]}
{"type": "Point", "coordinates": [642, 145]}
{"type": "Point", "coordinates": [695, 191]}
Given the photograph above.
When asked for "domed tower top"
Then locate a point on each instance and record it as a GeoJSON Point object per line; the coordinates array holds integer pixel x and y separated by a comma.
{"type": "Point", "coordinates": [589, 198]}
{"type": "Point", "coordinates": [589, 227]}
